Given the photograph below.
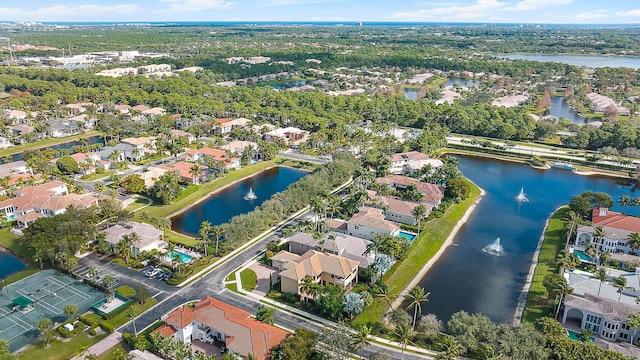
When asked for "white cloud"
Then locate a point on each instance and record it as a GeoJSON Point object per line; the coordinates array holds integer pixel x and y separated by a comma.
{"type": "Point", "coordinates": [634, 12]}
{"type": "Point", "coordinates": [591, 15]}
{"type": "Point", "coordinates": [479, 9]}
{"type": "Point", "coordinates": [296, 2]}
{"type": "Point", "coordinates": [538, 4]}
{"type": "Point", "coordinates": [197, 5]}
{"type": "Point", "coordinates": [64, 13]}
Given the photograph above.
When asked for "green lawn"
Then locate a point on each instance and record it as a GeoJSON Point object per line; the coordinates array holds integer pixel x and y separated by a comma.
{"type": "Point", "coordinates": [249, 279]}
{"type": "Point", "coordinates": [20, 275]}
{"type": "Point", "coordinates": [123, 318]}
{"type": "Point", "coordinates": [177, 238]}
{"type": "Point", "coordinates": [110, 354]}
{"type": "Point", "coordinates": [96, 176]}
{"type": "Point", "coordinates": [45, 143]}
{"type": "Point", "coordinates": [59, 350]}
{"type": "Point", "coordinates": [157, 210]}
{"type": "Point", "coordinates": [433, 235]}
{"type": "Point", "coordinates": [537, 305]}
{"type": "Point", "coordinates": [16, 244]}
{"type": "Point", "coordinates": [233, 287]}
{"type": "Point", "coordinates": [140, 202]}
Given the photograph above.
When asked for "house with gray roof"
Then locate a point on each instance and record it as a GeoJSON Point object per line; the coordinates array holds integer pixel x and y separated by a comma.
{"type": "Point", "coordinates": [335, 243]}
{"type": "Point", "coordinates": [63, 128]}
{"type": "Point", "coordinates": [125, 152]}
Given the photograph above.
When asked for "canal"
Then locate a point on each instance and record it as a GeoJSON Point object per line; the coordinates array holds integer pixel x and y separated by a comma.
{"type": "Point", "coordinates": [220, 207]}
{"type": "Point", "coordinates": [465, 277]}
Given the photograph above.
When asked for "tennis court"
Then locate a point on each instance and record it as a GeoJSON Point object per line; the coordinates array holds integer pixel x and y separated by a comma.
{"type": "Point", "coordinates": [41, 295]}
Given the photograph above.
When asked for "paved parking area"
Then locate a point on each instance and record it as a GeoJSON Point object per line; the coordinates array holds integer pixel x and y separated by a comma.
{"type": "Point", "coordinates": [263, 272]}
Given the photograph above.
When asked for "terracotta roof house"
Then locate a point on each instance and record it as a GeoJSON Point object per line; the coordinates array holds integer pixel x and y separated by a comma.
{"type": "Point", "coordinates": [408, 162]}
{"type": "Point", "coordinates": [149, 237]}
{"type": "Point", "coordinates": [225, 126]}
{"type": "Point", "coordinates": [184, 169]}
{"type": "Point", "coordinates": [344, 245]}
{"type": "Point", "coordinates": [196, 155]}
{"type": "Point", "coordinates": [368, 222]}
{"type": "Point", "coordinates": [432, 194]}
{"type": "Point", "coordinates": [215, 322]}
{"type": "Point", "coordinates": [16, 167]}
{"type": "Point", "coordinates": [322, 268]}
{"type": "Point", "coordinates": [183, 134]}
{"type": "Point", "coordinates": [238, 146]}
{"type": "Point", "coordinates": [395, 209]}
{"type": "Point", "coordinates": [617, 228]}
{"type": "Point", "coordinates": [291, 135]}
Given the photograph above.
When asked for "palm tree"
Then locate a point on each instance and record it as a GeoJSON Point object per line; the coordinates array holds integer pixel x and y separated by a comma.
{"type": "Point", "coordinates": [571, 222]}
{"type": "Point", "coordinates": [195, 172]}
{"type": "Point", "coordinates": [633, 241]}
{"type": "Point", "coordinates": [318, 208]}
{"type": "Point", "coordinates": [404, 334]}
{"type": "Point", "coordinates": [451, 349]}
{"type": "Point", "coordinates": [382, 293]}
{"type": "Point", "coordinates": [416, 297]}
{"type": "Point", "coordinates": [205, 233]}
{"type": "Point", "coordinates": [621, 283]}
{"type": "Point", "coordinates": [625, 201]}
{"type": "Point", "coordinates": [144, 216]}
{"type": "Point", "coordinates": [591, 250]}
{"type": "Point", "coordinates": [375, 245]}
{"type": "Point", "coordinates": [108, 280]}
{"type": "Point", "coordinates": [217, 232]}
{"type": "Point", "coordinates": [360, 338]}
{"type": "Point", "coordinates": [419, 212]}
{"type": "Point", "coordinates": [99, 187]}
{"type": "Point", "coordinates": [560, 289]}
{"type": "Point", "coordinates": [132, 313]}
{"type": "Point", "coordinates": [124, 246]}
{"type": "Point", "coordinates": [567, 260]}
{"type": "Point", "coordinates": [309, 288]}
{"type": "Point", "coordinates": [164, 224]}
{"type": "Point", "coordinates": [599, 234]}
{"type": "Point", "coordinates": [604, 257]}
{"type": "Point", "coordinates": [601, 275]}
{"type": "Point", "coordinates": [334, 204]}
{"type": "Point", "coordinates": [633, 320]}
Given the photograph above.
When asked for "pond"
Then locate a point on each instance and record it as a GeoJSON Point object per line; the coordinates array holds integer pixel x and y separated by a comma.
{"type": "Point", "coordinates": [220, 207]}
{"type": "Point", "coordinates": [466, 277]}
{"type": "Point", "coordinates": [560, 108]}
{"type": "Point", "coordinates": [9, 264]}
{"type": "Point", "coordinates": [579, 60]}
{"type": "Point", "coordinates": [64, 146]}
{"type": "Point", "coordinates": [468, 83]}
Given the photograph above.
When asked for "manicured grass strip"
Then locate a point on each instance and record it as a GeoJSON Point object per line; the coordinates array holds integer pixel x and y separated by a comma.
{"type": "Point", "coordinates": [433, 235]}
{"type": "Point", "coordinates": [110, 354]}
{"type": "Point", "coordinates": [177, 238]}
{"type": "Point", "coordinates": [20, 275]}
{"type": "Point", "coordinates": [140, 202]}
{"type": "Point", "coordinates": [249, 279]}
{"type": "Point", "coordinates": [554, 239]}
{"type": "Point", "coordinates": [201, 191]}
{"type": "Point", "coordinates": [59, 350]}
{"type": "Point", "coordinates": [231, 277]}
{"type": "Point", "coordinates": [16, 244]}
{"type": "Point", "coordinates": [123, 318]}
{"type": "Point", "coordinates": [233, 287]}
{"type": "Point", "coordinates": [45, 143]}
{"type": "Point", "coordinates": [96, 176]}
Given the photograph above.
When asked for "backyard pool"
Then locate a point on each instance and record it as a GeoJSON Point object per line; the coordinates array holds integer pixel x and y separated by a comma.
{"type": "Point", "coordinates": [576, 336]}
{"type": "Point", "coordinates": [583, 256]}
{"type": "Point", "coordinates": [179, 255]}
{"type": "Point", "coordinates": [407, 235]}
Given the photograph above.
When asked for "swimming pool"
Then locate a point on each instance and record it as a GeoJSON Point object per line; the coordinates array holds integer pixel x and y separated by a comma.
{"type": "Point", "coordinates": [576, 336]}
{"type": "Point", "coordinates": [178, 255]}
{"type": "Point", "coordinates": [583, 256]}
{"type": "Point", "coordinates": [407, 235]}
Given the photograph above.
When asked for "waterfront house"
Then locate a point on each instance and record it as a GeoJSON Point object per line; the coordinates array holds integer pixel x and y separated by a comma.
{"type": "Point", "coordinates": [368, 222]}
{"type": "Point", "coordinates": [408, 162]}
{"type": "Point", "coordinates": [617, 228]}
{"type": "Point", "coordinates": [216, 155]}
{"type": "Point", "coordinates": [5, 143]}
{"type": "Point", "coordinates": [149, 237]}
{"type": "Point", "coordinates": [431, 193]}
{"type": "Point", "coordinates": [335, 243]}
{"type": "Point", "coordinates": [322, 268]}
{"type": "Point", "coordinates": [184, 169]}
{"type": "Point", "coordinates": [16, 167]}
{"type": "Point", "coordinates": [291, 135]}
{"type": "Point", "coordinates": [63, 128]}
{"type": "Point", "coordinates": [229, 328]}
{"type": "Point", "coordinates": [394, 209]}
{"type": "Point", "coordinates": [124, 152]}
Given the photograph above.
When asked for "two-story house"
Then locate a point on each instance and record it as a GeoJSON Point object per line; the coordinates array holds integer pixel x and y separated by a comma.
{"type": "Point", "coordinates": [368, 222]}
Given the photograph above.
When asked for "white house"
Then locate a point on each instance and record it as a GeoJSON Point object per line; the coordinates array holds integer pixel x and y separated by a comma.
{"type": "Point", "coordinates": [149, 237]}
{"type": "Point", "coordinates": [371, 221]}
{"type": "Point", "coordinates": [408, 162]}
{"type": "Point", "coordinates": [396, 210]}
{"type": "Point", "coordinates": [617, 228]}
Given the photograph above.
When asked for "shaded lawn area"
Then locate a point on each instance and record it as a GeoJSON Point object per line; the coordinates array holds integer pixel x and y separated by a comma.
{"type": "Point", "coordinates": [123, 318]}
{"type": "Point", "coordinates": [177, 238]}
{"type": "Point", "coordinates": [537, 305]}
{"type": "Point", "coordinates": [140, 202]}
{"type": "Point", "coordinates": [201, 191]}
{"type": "Point", "coordinates": [431, 238]}
{"type": "Point", "coordinates": [249, 279]}
{"type": "Point", "coordinates": [15, 243]}
{"type": "Point", "coordinates": [46, 143]}
{"type": "Point", "coordinates": [59, 350]}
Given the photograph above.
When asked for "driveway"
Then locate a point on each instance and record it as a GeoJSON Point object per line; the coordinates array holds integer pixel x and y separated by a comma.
{"type": "Point", "coordinates": [263, 272]}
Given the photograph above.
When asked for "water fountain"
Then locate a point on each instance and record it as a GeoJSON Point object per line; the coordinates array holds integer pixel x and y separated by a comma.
{"type": "Point", "coordinates": [494, 248]}
{"type": "Point", "coordinates": [250, 195]}
{"type": "Point", "coordinates": [521, 197]}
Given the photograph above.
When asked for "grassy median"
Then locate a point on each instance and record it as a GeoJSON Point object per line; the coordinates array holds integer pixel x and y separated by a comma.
{"type": "Point", "coordinates": [537, 304]}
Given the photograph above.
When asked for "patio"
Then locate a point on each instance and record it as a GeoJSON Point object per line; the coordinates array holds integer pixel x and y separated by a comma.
{"type": "Point", "coordinates": [208, 349]}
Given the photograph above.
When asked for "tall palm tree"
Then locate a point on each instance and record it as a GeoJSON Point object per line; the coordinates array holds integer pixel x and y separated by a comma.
{"type": "Point", "coordinates": [604, 256]}
{"type": "Point", "coordinates": [633, 320]}
{"type": "Point", "coordinates": [560, 290]}
{"type": "Point", "coordinates": [99, 187]}
{"type": "Point", "coordinates": [132, 313]}
{"type": "Point", "coordinates": [360, 338]}
{"type": "Point", "coordinates": [382, 293]}
{"type": "Point", "coordinates": [451, 349]}
{"type": "Point", "coordinates": [624, 201]}
{"type": "Point", "coordinates": [195, 172]}
{"type": "Point", "coordinates": [217, 233]}
{"type": "Point", "coordinates": [591, 250]}
{"type": "Point", "coordinates": [601, 275]}
{"type": "Point", "coordinates": [318, 208]}
{"type": "Point", "coordinates": [419, 212]}
{"type": "Point", "coordinates": [416, 298]}
{"type": "Point", "coordinates": [571, 223]}
{"type": "Point", "coordinates": [334, 204]}
{"type": "Point", "coordinates": [404, 333]}
{"type": "Point", "coordinates": [621, 283]}
{"type": "Point", "coordinates": [164, 223]}
{"type": "Point", "coordinates": [309, 288]}
{"type": "Point", "coordinates": [599, 234]}
{"type": "Point", "coordinates": [205, 235]}
{"type": "Point", "coordinates": [375, 244]}
{"type": "Point", "coordinates": [633, 241]}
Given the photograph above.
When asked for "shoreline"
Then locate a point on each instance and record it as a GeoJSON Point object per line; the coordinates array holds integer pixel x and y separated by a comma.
{"type": "Point", "coordinates": [445, 245]}
{"type": "Point", "coordinates": [522, 299]}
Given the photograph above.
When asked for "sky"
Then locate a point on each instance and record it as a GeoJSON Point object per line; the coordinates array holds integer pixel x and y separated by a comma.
{"type": "Point", "coordinates": [466, 11]}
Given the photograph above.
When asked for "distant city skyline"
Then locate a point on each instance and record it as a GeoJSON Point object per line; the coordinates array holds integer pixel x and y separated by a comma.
{"type": "Point", "coordinates": [465, 11]}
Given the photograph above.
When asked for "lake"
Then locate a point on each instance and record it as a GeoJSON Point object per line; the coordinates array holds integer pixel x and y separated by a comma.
{"type": "Point", "coordinates": [220, 207]}
{"type": "Point", "coordinates": [560, 108]}
{"type": "Point", "coordinates": [64, 146]}
{"type": "Point", "coordinates": [468, 83]}
{"type": "Point", "coordinates": [289, 84]}
{"type": "Point", "coordinates": [465, 277]}
{"type": "Point", "coordinates": [579, 60]}
{"type": "Point", "coordinates": [9, 264]}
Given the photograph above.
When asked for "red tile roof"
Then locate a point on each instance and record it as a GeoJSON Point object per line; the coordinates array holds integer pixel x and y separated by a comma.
{"type": "Point", "coordinates": [432, 193]}
{"type": "Point", "coordinates": [615, 220]}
